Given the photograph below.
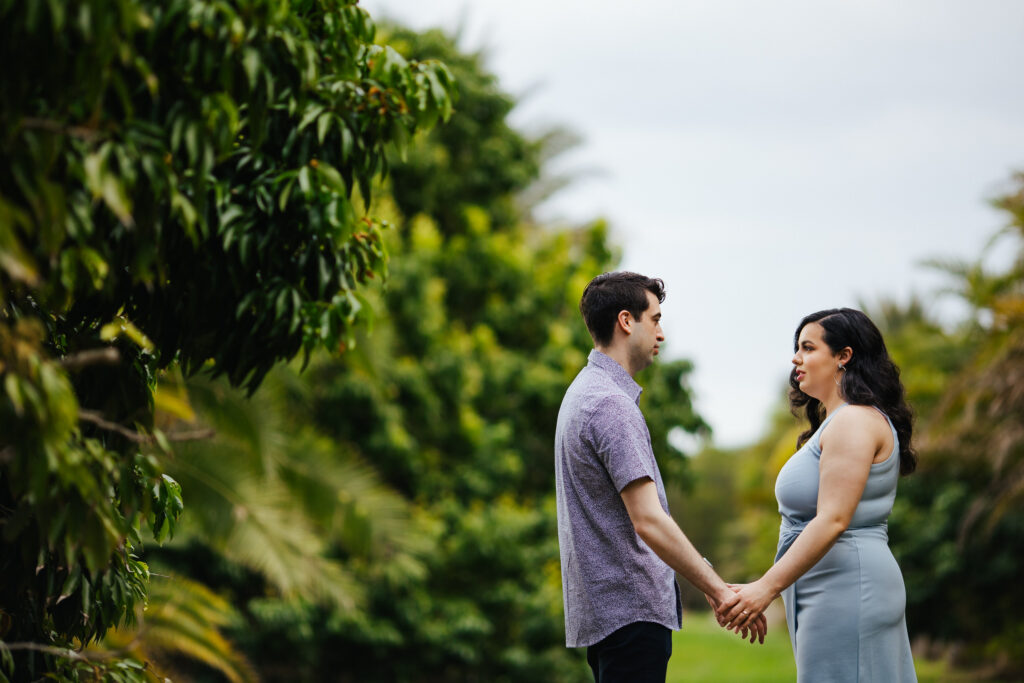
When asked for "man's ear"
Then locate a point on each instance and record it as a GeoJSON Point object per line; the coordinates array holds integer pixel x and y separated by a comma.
{"type": "Point", "coordinates": [625, 321]}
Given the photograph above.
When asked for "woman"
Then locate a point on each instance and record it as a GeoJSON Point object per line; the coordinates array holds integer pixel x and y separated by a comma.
{"type": "Point", "coordinates": [842, 588]}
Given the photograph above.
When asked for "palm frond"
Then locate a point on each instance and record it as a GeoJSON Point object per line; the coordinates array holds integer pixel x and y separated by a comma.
{"type": "Point", "coordinates": [347, 498]}
{"type": "Point", "coordinates": [284, 503]}
{"type": "Point", "coordinates": [273, 536]}
{"type": "Point", "coordinates": [978, 421]}
{"type": "Point", "coordinates": [183, 619]}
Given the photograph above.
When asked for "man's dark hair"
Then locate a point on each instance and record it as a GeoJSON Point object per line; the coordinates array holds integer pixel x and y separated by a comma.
{"type": "Point", "coordinates": [609, 293]}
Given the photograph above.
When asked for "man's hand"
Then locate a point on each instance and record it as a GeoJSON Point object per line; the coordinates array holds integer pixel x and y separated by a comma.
{"type": "Point", "coordinates": [758, 629]}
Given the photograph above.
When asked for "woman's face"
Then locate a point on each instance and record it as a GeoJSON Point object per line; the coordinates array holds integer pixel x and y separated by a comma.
{"type": "Point", "coordinates": [815, 366]}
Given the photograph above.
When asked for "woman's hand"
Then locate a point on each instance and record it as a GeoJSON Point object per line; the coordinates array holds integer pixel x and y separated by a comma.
{"type": "Point", "coordinates": [758, 627]}
{"type": "Point", "coordinates": [754, 599]}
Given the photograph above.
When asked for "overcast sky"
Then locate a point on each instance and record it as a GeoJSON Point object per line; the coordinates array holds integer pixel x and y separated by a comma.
{"type": "Point", "coordinates": [766, 159]}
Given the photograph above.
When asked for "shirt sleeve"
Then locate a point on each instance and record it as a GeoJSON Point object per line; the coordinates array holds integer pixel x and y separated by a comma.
{"type": "Point", "coordinates": [619, 435]}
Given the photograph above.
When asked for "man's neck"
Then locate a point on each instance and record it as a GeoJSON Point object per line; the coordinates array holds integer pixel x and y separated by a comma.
{"type": "Point", "coordinates": [620, 355]}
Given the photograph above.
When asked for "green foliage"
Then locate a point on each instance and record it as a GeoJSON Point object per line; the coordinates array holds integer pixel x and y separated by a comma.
{"type": "Point", "coordinates": [668, 406]}
{"type": "Point", "coordinates": [196, 179]}
{"type": "Point", "coordinates": [956, 527]}
{"type": "Point", "coordinates": [476, 159]}
{"type": "Point", "coordinates": [462, 424]}
{"type": "Point", "coordinates": [961, 519]}
{"type": "Point", "coordinates": [453, 400]}
{"type": "Point", "coordinates": [734, 497]}
{"type": "Point", "coordinates": [124, 670]}
{"type": "Point", "coordinates": [450, 402]}
{"type": "Point", "coordinates": [177, 188]}
{"type": "Point", "coordinates": [274, 497]}
{"type": "Point", "coordinates": [62, 525]}
{"type": "Point", "coordinates": [183, 619]}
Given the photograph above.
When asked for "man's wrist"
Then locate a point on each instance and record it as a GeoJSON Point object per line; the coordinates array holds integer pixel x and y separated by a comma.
{"type": "Point", "coordinates": [723, 594]}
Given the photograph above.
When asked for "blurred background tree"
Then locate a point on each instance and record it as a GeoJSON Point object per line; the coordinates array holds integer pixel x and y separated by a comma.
{"type": "Point", "coordinates": [177, 191]}
{"type": "Point", "coordinates": [417, 465]}
{"type": "Point", "coordinates": [957, 528]}
{"type": "Point", "coordinates": [960, 524]}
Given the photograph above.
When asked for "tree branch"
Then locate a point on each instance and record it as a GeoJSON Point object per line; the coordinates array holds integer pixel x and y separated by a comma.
{"type": "Point", "coordinates": [81, 132]}
{"type": "Point", "coordinates": [96, 418]}
{"type": "Point", "coordinates": [105, 356]}
{"type": "Point", "coordinates": [88, 656]}
{"type": "Point", "coordinates": [47, 650]}
{"type": "Point", "coordinates": [193, 435]}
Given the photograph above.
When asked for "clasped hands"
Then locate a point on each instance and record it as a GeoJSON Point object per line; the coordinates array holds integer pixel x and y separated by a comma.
{"type": "Point", "coordinates": [742, 610]}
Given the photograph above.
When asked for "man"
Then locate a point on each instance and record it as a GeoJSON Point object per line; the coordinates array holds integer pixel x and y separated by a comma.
{"type": "Point", "coordinates": [618, 544]}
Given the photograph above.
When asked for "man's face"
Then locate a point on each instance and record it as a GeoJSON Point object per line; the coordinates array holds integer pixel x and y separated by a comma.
{"type": "Point", "coordinates": [647, 335]}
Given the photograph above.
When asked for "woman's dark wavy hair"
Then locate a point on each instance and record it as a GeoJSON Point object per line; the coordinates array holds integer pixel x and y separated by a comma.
{"type": "Point", "coordinates": [870, 377]}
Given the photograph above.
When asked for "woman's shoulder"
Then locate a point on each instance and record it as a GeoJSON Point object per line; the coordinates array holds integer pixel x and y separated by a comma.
{"type": "Point", "coordinates": [859, 418]}
{"type": "Point", "coordinates": [857, 411]}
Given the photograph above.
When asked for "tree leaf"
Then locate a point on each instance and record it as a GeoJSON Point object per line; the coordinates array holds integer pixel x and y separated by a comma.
{"type": "Point", "coordinates": [330, 176]}
{"type": "Point", "coordinates": [323, 125]}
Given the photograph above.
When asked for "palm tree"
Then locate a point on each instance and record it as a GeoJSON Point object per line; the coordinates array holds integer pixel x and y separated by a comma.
{"type": "Point", "coordinates": [981, 415]}
{"type": "Point", "coordinates": [182, 620]}
{"type": "Point", "coordinates": [271, 496]}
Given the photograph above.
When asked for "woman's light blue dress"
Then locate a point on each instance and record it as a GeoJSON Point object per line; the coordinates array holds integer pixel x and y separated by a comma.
{"type": "Point", "coordinates": [846, 614]}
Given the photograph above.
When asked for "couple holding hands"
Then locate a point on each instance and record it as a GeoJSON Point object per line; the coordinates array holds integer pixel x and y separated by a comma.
{"type": "Point", "coordinates": [620, 550]}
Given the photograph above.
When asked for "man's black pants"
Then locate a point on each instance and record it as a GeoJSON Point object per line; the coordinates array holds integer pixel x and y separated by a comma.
{"type": "Point", "coordinates": [636, 653]}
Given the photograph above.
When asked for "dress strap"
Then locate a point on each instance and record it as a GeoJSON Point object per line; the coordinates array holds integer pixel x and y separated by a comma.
{"type": "Point", "coordinates": [834, 412]}
{"type": "Point", "coordinates": [821, 428]}
{"type": "Point", "coordinates": [895, 436]}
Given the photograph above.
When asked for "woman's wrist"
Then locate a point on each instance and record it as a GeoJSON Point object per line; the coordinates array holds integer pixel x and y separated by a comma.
{"type": "Point", "coordinates": [769, 587]}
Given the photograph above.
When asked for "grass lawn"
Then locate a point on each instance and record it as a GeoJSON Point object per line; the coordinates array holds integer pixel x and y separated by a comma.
{"type": "Point", "coordinates": [704, 653]}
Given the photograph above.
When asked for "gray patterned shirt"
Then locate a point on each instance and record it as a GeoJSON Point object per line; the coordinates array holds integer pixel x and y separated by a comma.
{"type": "Point", "coordinates": [610, 578]}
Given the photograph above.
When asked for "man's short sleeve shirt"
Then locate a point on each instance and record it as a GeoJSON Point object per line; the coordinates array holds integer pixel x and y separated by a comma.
{"type": "Point", "coordinates": [610, 578]}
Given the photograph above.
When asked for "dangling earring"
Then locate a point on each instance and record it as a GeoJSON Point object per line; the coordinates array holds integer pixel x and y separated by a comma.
{"type": "Point", "coordinates": [839, 382]}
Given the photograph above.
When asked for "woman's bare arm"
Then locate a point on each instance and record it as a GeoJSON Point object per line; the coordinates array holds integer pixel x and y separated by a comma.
{"type": "Point", "coordinates": [849, 445]}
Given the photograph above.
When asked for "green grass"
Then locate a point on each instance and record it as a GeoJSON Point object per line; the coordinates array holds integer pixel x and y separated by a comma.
{"type": "Point", "coordinates": [704, 653]}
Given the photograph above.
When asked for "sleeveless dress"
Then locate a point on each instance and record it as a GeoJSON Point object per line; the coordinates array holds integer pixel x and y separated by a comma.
{"type": "Point", "coordinates": [846, 613]}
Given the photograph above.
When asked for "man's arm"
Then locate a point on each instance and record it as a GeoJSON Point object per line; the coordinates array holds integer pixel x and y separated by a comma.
{"type": "Point", "coordinates": [662, 535]}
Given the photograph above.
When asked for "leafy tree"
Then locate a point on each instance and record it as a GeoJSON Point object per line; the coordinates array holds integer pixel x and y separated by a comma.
{"type": "Point", "coordinates": [462, 423]}
{"type": "Point", "coordinates": [454, 397]}
{"type": "Point", "coordinates": [177, 189]}
{"type": "Point", "coordinates": [450, 400]}
{"type": "Point", "coordinates": [956, 527]}
{"type": "Point", "coordinates": [960, 519]}
{"type": "Point", "coordinates": [476, 158]}
{"type": "Point", "coordinates": [182, 619]}
{"type": "Point", "coordinates": [281, 521]}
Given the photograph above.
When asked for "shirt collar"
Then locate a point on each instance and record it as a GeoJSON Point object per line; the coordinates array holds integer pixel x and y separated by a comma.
{"type": "Point", "coordinates": [617, 373]}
